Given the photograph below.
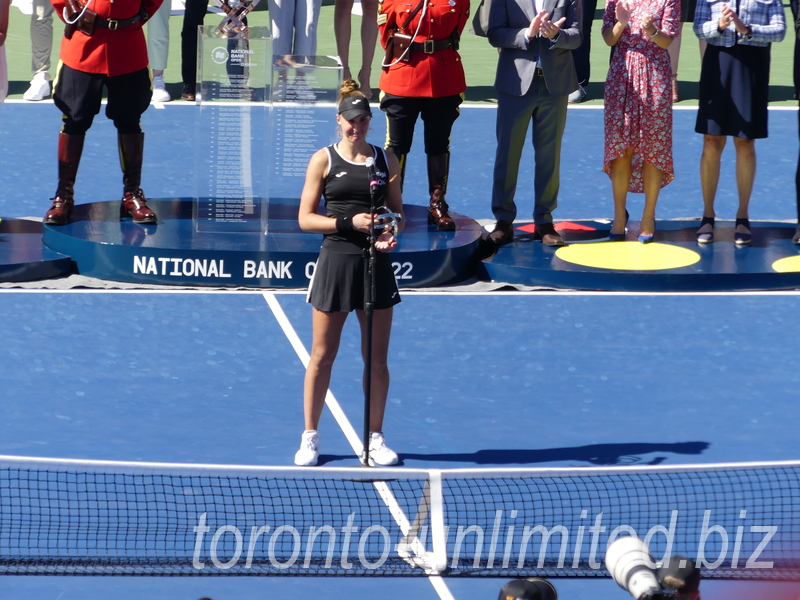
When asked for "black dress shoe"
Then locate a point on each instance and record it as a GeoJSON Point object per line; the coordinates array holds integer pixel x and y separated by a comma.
{"type": "Point", "coordinates": [548, 235]}
{"type": "Point", "coordinates": [189, 92]}
{"type": "Point", "coordinates": [503, 233]}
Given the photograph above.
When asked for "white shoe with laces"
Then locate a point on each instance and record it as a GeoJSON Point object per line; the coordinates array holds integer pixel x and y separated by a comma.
{"type": "Point", "coordinates": [379, 453]}
{"type": "Point", "coordinates": [309, 450]}
{"type": "Point", "coordinates": [160, 93]}
{"type": "Point", "coordinates": [39, 88]}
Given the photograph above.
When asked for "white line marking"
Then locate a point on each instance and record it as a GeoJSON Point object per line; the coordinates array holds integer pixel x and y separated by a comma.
{"type": "Point", "coordinates": [385, 492]}
{"type": "Point", "coordinates": [330, 400]}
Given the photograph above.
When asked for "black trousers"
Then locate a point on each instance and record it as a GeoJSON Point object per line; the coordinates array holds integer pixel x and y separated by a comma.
{"type": "Point", "coordinates": [78, 95]}
{"type": "Point", "coordinates": [581, 54]}
{"type": "Point", "coordinates": [438, 114]}
{"type": "Point", "coordinates": [193, 17]}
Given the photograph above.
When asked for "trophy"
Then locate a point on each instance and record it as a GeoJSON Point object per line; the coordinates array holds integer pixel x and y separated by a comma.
{"type": "Point", "coordinates": [233, 125]}
{"type": "Point", "coordinates": [233, 26]}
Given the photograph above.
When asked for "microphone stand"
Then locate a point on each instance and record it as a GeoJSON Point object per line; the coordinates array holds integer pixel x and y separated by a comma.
{"type": "Point", "coordinates": [369, 308]}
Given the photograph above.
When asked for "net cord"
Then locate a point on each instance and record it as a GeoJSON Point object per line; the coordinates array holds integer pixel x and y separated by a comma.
{"type": "Point", "coordinates": [359, 473]}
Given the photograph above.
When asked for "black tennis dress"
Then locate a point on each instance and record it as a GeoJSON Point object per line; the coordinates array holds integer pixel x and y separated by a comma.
{"type": "Point", "coordinates": [338, 282]}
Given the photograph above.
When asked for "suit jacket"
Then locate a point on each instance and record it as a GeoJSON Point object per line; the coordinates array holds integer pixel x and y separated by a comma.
{"type": "Point", "coordinates": [508, 22]}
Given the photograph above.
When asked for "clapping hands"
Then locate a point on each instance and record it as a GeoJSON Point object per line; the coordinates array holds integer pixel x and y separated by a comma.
{"type": "Point", "coordinates": [542, 25]}
{"type": "Point", "coordinates": [729, 16]}
{"type": "Point", "coordinates": [623, 12]}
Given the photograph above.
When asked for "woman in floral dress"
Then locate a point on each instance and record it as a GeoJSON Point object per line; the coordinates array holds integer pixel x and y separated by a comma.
{"type": "Point", "coordinates": [638, 105]}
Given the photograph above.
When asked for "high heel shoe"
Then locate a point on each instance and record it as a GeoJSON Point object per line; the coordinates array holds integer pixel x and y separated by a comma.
{"type": "Point", "coordinates": [619, 237]}
{"type": "Point", "coordinates": [648, 238]}
{"type": "Point", "coordinates": [742, 238]}
{"type": "Point", "coordinates": [705, 233]}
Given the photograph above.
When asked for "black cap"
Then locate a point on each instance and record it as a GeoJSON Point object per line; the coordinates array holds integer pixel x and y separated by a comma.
{"type": "Point", "coordinates": [528, 589]}
{"type": "Point", "coordinates": [354, 106]}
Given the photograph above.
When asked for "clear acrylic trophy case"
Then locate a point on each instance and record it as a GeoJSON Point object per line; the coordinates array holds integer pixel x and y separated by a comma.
{"type": "Point", "coordinates": [233, 129]}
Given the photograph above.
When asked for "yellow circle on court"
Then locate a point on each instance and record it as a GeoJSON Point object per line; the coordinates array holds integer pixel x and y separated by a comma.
{"type": "Point", "coordinates": [628, 256]}
{"type": "Point", "coordinates": [790, 264]}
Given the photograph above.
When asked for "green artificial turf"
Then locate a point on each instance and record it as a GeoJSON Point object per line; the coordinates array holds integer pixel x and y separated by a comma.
{"type": "Point", "coordinates": [478, 56]}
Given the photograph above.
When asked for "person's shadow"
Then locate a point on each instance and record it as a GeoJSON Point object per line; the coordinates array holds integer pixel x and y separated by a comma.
{"type": "Point", "coordinates": [595, 454]}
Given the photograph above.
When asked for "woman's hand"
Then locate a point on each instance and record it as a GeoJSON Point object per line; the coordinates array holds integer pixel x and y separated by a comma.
{"type": "Point", "coordinates": [385, 242]}
{"type": "Point", "coordinates": [647, 24]}
{"type": "Point", "coordinates": [623, 12]}
{"type": "Point", "coordinates": [361, 222]}
{"type": "Point", "coordinates": [726, 18]}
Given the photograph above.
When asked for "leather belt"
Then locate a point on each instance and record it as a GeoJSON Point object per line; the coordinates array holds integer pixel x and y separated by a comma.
{"type": "Point", "coordinates": [539, 72]}
{"type": "Point", "coordinates": [431, 46]}
{"type": "Point", "coordinates": [114, 24]}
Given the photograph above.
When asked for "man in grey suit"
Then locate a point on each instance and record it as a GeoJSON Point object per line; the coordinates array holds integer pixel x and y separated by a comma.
{"type": "Point", "coordinates": [535, 74]}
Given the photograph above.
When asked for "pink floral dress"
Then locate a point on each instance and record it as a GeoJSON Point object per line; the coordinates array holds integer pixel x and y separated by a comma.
{"type": "Point", "coordinates": [638, 94]}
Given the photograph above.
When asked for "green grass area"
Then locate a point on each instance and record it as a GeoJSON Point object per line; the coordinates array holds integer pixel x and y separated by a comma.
{"type": "Point", "coordinates": [479, 58]}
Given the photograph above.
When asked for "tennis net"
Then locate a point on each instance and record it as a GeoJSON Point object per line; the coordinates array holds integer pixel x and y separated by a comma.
{"type": "Point", "coordinates": [102, 518]}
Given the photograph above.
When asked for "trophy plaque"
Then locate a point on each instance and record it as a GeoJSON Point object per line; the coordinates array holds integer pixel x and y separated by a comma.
{"type": "Point", "coordinates": [232, 133]}
{"type": "Point", "coordinates": [304, 94]}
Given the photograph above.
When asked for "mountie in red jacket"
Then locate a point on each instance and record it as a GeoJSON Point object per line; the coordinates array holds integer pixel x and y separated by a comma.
{"type": "Point", "coordinates": [428, 72]}
{"type": "Point", "coordinates": [109, 50]}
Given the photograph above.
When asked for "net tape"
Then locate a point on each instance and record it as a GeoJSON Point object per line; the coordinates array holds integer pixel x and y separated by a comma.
{"type": "Point", "coordinates": [105, 518]}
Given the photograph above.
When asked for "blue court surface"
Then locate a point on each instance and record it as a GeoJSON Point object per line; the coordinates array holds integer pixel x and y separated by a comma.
{"type": "Point", "coordinates": [498, 379]}
{"type": "Point", "coordinates": [493, 380]}
{"type": "Point", "coordinates": [28, 135]}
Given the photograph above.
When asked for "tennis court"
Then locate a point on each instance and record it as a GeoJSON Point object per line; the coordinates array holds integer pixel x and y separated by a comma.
{"type": "Point", "coordinates": [495, 379]}
{"type": "Point", "coordinates": [564, 380]}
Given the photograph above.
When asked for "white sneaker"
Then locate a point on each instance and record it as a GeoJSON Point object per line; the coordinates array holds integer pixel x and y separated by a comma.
{"type": "Point", "coordinates": [379, 453]}
{"type": "Point", "coordinates": [39, 88]}
{"type": "Point", "coordinates": [160, 93]}
{"type": "Point", "coordinates": [309, 450]}
{"type": "Point", "coordinates": [577, 96]}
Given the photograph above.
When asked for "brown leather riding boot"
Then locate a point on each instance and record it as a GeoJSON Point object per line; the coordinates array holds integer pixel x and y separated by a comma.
{"type": "Point", "coordinates": [70, 148]}
{"type": "Point", "coordinates": [438, 169]}
{"type": "Point", "coordinates": [134, 203]}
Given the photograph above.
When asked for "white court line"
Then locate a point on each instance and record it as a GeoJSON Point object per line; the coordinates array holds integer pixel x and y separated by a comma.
{"type": "Point", "coordinates": [388, 497]}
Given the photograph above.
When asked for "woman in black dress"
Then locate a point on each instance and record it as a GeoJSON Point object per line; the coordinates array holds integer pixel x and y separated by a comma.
{"type": "Point", "coordinates": [340, 174]}
{"type": "Point", "coordinates": [734, 91]}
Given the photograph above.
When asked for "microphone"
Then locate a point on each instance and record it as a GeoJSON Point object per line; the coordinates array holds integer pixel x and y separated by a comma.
{"type": "Point", "coordinates": [373, 176]}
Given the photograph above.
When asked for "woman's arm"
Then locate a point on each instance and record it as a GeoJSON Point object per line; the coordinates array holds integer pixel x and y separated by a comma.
{"type": "Point", "coordinates": [394, 202]}
{"type": "Point", "coordinates": [394, 198]}
{"type": "Point", "coordinates": [773, 31]}
{"type": "Point", "coordinates": [619, 17]}
{"type": "Point", "coordinates": [312, 193]}
{"type": "Point", "coordinates": [659, 37]}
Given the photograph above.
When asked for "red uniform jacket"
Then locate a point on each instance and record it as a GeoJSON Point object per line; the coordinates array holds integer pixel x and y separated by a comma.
{"type": "Point", "coordinates": [108, 52]}
{"type": "Point", "coordinates": [425, 75]}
